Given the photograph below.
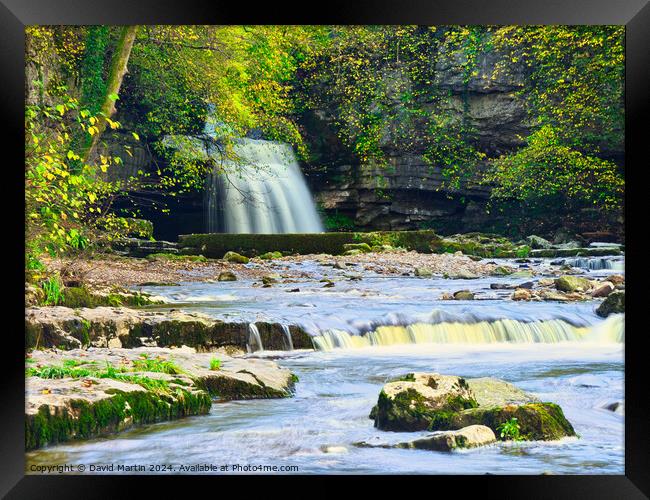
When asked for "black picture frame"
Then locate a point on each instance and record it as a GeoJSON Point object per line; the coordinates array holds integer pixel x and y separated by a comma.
{"type": "Point", "coordinates": [634, 14]}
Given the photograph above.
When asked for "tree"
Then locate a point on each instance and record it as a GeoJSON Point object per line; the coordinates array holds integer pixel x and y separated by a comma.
{"type": "Point", "coordinates": [118, 68]}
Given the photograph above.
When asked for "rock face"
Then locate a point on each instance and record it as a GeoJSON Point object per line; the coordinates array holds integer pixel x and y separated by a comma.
{"type": "Point", "coordinates": [614, 303]}
{"type": "Point", "coordinates": [412, 191]}
{"type": "Point", "coordinates": [99, 391]}
{"type": "Point", "coordinates": [412, 404]}
{"type": "Point", "coordinates": [123, 327]}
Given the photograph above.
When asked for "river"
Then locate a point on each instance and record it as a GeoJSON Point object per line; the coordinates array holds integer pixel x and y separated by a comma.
{"type": "Point", "coordinates": [581, 369]}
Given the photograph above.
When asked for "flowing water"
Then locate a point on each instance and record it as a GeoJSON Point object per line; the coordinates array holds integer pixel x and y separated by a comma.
{"type": "Point", "coordinates": [366, 332]}
{"type": "Point", "coordinates": [265, 192]}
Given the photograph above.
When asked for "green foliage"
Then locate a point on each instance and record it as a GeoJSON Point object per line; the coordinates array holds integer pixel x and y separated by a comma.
{"type": "Point", "coordinates": [93, 83]}
{"type": "Point", "coordinates": [71, 369]}
{"type": "Point", "coordinates": [338, 222]}
{"type": "Point", "coordinates": [147, 364]}
{"type": "Point", "coordinates": [549, 173]}
{"type": "Point", "coordinates": [53, 288]}
{"type": "Point", "coordinates": [386, 90]}
{"type": "Point", "coordinates": [215, 364]}
{"type": "Point", "coordinates": [173, 256]}
{"type": "Point", "coordinates": [509, 430]}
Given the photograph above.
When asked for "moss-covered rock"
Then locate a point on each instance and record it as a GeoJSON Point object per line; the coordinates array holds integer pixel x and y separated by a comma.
{"type": "Point", "coordinates": [471, 436]}
{"type": "Point", "coordinates": [271, 255]}
{"type": "Point", "coordinates": [363, 247]}
{"type": "Point", "coordinates": [124, 327]}
{"type": "Point", "coordinates": [502, 271]}
{"type": "Point", "coordinates": [227, 276]}
{"type": "Point", "coordinates": [570, 283]}
{"type": "Point", "coordinates": [463, 295]}
{"type": "Point", "coordinates": [270, 279]}
{"type": "Point", "coordinates": [537, 421]}
{"type": "Point", "coordinates": [423, 272]}
{"type": "Point", "coordinates": [231, 256]}
{"type": "Point", "coordinates": [76, 297]}
{"type": "Point", "coordinates": [59, 410]}
{"type": "Point", "coordinates": [177, 257]}
{"type": "Point", "coordinates": [614, 303]}
{"type": "Point", "coordinates": [480, 245]}
{"type": "Point", "coordinates": [410, 404]}
{"type": "Point", "coordinates": [215, 245]}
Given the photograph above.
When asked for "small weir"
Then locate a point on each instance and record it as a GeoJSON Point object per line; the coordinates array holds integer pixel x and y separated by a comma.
{"type": "Point", "coordinates": [595, 263]}
{"type": "Point", "coordinates": [610, 330]}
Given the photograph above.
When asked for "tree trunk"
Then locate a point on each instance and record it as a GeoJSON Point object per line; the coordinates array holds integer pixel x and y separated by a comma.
{"type": "Point", "coordinates": [118, 69]}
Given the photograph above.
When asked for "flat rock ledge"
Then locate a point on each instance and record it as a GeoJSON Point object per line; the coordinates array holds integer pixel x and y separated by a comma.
{"type": "Point", "coordinates": [410, 404]}
{"type": "Point", "coordinates": [67, 328]}
{"type": "Point", "coordinates": [471, 436]}
{"type": "Point", "coordinates": [80, 394]}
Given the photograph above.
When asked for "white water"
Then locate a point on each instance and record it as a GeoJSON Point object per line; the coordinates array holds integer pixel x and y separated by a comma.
{"type": "Point", "coordinates": [260, 190]}
{"type": "Point", "coordinates": [561, 352]}
{"type": "Point", "coordinates": [596, 263]}
{"type": "Point", "coordinates": [553, 331]}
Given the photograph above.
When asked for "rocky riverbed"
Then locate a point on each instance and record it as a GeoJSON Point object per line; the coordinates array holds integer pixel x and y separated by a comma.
{"type": "Point", "coordinates": [84, 393]}
{"type": "Point", "coordinates": [189, 312]}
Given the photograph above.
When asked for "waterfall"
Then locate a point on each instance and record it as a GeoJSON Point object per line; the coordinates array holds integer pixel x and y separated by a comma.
{"type": "Point", "coordinates": [254, 339]}
{"type": "Point", "coordinates": [595, 264]}
{"type": "Point", "coordinates": [482, 332]}
{"type": "Point", "coordinates": [287, 337]}
{"type": "Point", "coordinates": [260, 190]}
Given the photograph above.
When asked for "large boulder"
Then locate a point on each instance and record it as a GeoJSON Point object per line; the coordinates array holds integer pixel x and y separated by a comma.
{"type": "Point", "coordinates": [411, 403]}
{"type": "Point", "coordinates": [421, 401]}
{"type": "Point", "coordinates": [537, 242]}
{"type": "Point", "coordinates": [614, 303]}
{"type": "Point", "coordinates": [569, 283]}
{"type": "Point", "coordinates": [235, 257]}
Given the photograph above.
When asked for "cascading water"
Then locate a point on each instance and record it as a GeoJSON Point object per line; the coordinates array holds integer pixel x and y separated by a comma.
{"type": "Point", "coordinates": [254, 339]}
{"type": "Point", "coordinates": [481, 332]}
{"type": "Point", "coordinates": [595, 263]}
{"type": "Point", "coordinates": [287, 337]}
{"type": "Point", "coordinates": [262, 190]}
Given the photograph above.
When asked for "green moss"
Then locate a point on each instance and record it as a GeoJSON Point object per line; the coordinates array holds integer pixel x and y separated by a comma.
{"type": "Point", "coordinates": [271, 255]}
{"type": "Point", "coordinates": [231, 256]}
{"type": "Point", "coordinates": [537, 421]}
{"type": "Point", "coordinates": [84, 419]}
{"type": "Point", "coordinates": [76, 297]}
{"type": "Point", "coordinates": [216, 245]}
{"type": "Point", "coordinates": [229, 388]}
{"type": "Point", "coordinates": [361, 247]}
{"type": "Point", "coordinates": [174, 256]}
{"type": "Point", "coordinates": [406, 411]}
